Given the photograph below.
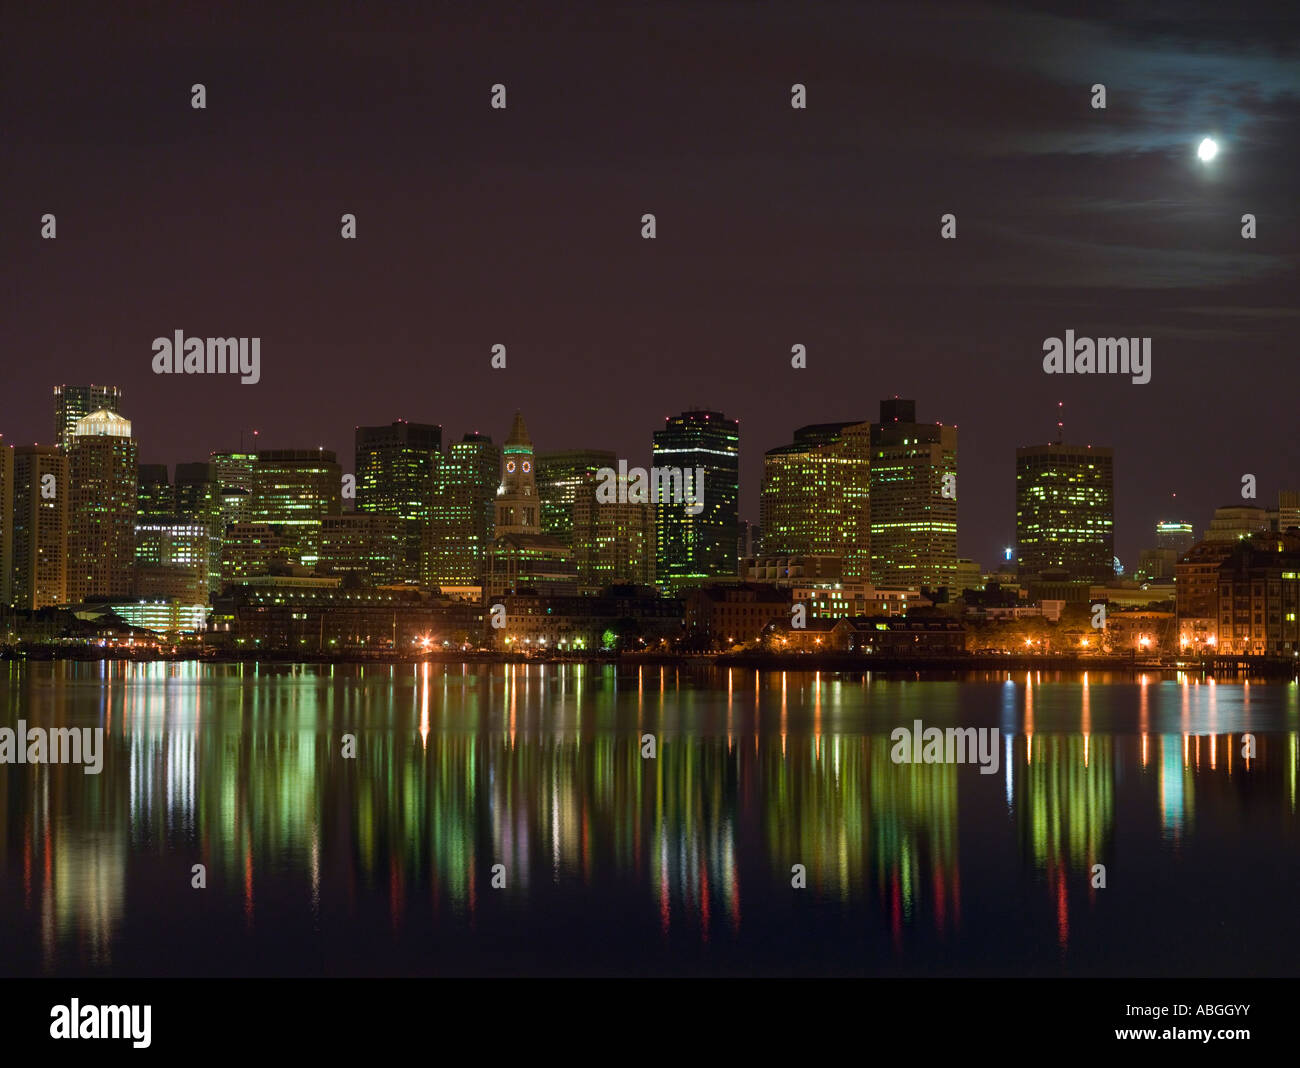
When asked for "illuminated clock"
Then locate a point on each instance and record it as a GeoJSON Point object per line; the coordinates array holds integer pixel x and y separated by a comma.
{"type": "Point", "coordinates": [510, 466]}
{"type": "Point", "coordinates": [527, 467]}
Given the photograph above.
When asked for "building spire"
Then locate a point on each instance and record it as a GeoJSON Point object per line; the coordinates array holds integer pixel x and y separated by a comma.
{"type": "Point", "coordinates": [518, 432]}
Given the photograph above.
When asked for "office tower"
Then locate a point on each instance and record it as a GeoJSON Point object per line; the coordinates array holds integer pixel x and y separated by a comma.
{"type": "Point", "coordinates": [234, 474]}
{"type": "Point", "coordinates": [1065, 512]}
{"type": "Point", "coordinates": [461, 523]}
{"type": "Point", "coordinates": [815, 494]}
{"type": "Point", "coordinates": [6, 525]}
{"type": "Point", "coordinates": [1288, 510]}
{"type": "Point", "coordinates": [171, 560]}
{"type": "Point", "coordinates": [560, 476]}
{"type": "Point", "coordinates": [154, 498]}
{"type": "Point", "coordinates": [42, 497]}
{"type": "Point", "coordinates": [1172, 534]}
{"type": "Point", "coordinates": [613, 543]}
{"type": "Point", "coordinates": [397, 475]}
{"type": "Point", "coordinates": [293, 490]}
{"type": "Point", "coordinates": [694, 547]}
{"type": "Point", "coordinates": [104, 466]}
{"type": "Point", "coordinates": [521, 556]}
{"type": "Point", "coordinates": [1235, 522]}
{"type": "Point", "coordinates": [913, 523]}
{"type": "Point", "coordinates": [363, 549]}
{"type": "Point", "coordinates": [250, 549]}
{"type": "Point", "coordinates": [198, 499]}
{"type": "Point", "coordinates": [73, 403]}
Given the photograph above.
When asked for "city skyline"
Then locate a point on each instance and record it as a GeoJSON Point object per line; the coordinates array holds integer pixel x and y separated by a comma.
{"type": "Point", "coordinates": [818, 227]}
{"type": "Point", "coordinates": [1141, 541]}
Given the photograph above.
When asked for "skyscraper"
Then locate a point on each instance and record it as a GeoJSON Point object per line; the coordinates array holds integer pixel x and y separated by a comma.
{"type": "Point", "coordinates": [397, 475]}
{"type": "Point", "coordinates": [234, 474]}
{"type": "Point", "coordinates": [701, 546]}
{"type": "Point", "coordinates": [560, 477]}
{"type": "Point", "coordinates": [42, 498]}
{"type": "Point", "coordinates": [815, 496]}
{"type": "Point", "coordinates": [198, 498]}
{"type": "Point", "coordinates": [1065, 512]}
{"type": "Point", "coordinates": [461, 523]}
{"type": "Point", "coordinates": [6, 525]}
{"type": "Point", "coordinates": [73, 403]}
{"type": "Point", "coordinates": [154, 499]}
{"type": "Point", "coordinates": [613, 543]}
{"type": "Point", "coordinates": [293, 490]}
{"type": "Point", "coordinates": [104, 465]}
{"type": "Point", "coordinates": [913, 499]}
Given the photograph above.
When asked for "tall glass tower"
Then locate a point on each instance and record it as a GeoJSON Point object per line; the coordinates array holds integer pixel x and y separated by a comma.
{"type": "Point", "coordinates": [702, 546]}
{"type": "Point", "coordinates": [562, 477]}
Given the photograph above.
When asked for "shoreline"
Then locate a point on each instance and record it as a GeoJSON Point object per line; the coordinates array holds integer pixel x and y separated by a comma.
{"type": "Point", "coordinates": [763, 661]}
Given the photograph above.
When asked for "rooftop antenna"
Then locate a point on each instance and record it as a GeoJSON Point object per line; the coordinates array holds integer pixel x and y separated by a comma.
{"type": "Point", "coordinates": [1060, 422]}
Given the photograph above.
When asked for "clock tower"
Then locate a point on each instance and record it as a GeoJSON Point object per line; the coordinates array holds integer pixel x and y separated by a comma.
{"type": "Point", "coordinates": [518, 510]}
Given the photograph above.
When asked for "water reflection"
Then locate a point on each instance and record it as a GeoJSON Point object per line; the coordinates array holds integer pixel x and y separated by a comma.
{"type": "Point", "coordinates": [541, 769]}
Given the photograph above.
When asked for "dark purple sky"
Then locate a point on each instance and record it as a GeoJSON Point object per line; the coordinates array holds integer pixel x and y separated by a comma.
{"type": "Point", "coordinates": [776, 226]}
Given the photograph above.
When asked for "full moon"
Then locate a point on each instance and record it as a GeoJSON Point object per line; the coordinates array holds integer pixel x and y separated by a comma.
{"type": "Point", "coordinates": [1207, 149]}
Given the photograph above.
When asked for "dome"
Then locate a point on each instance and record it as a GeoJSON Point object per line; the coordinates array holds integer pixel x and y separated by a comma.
{"type": "Point", "coordinates": [103, 424]}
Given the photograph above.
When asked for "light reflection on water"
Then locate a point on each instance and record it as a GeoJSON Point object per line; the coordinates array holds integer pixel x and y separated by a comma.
{"type": "Point", "coordinates": [614, 862]}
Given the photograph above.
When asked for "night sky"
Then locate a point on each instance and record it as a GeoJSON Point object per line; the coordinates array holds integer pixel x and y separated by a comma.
{"type": "Point", "coordinates": [775, 227]}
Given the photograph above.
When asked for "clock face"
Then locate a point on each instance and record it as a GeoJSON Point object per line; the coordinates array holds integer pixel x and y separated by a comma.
{"type": "Point", "coordinates": [527, 467]}
{"type": "Point", "coordinates": [510, 466]}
